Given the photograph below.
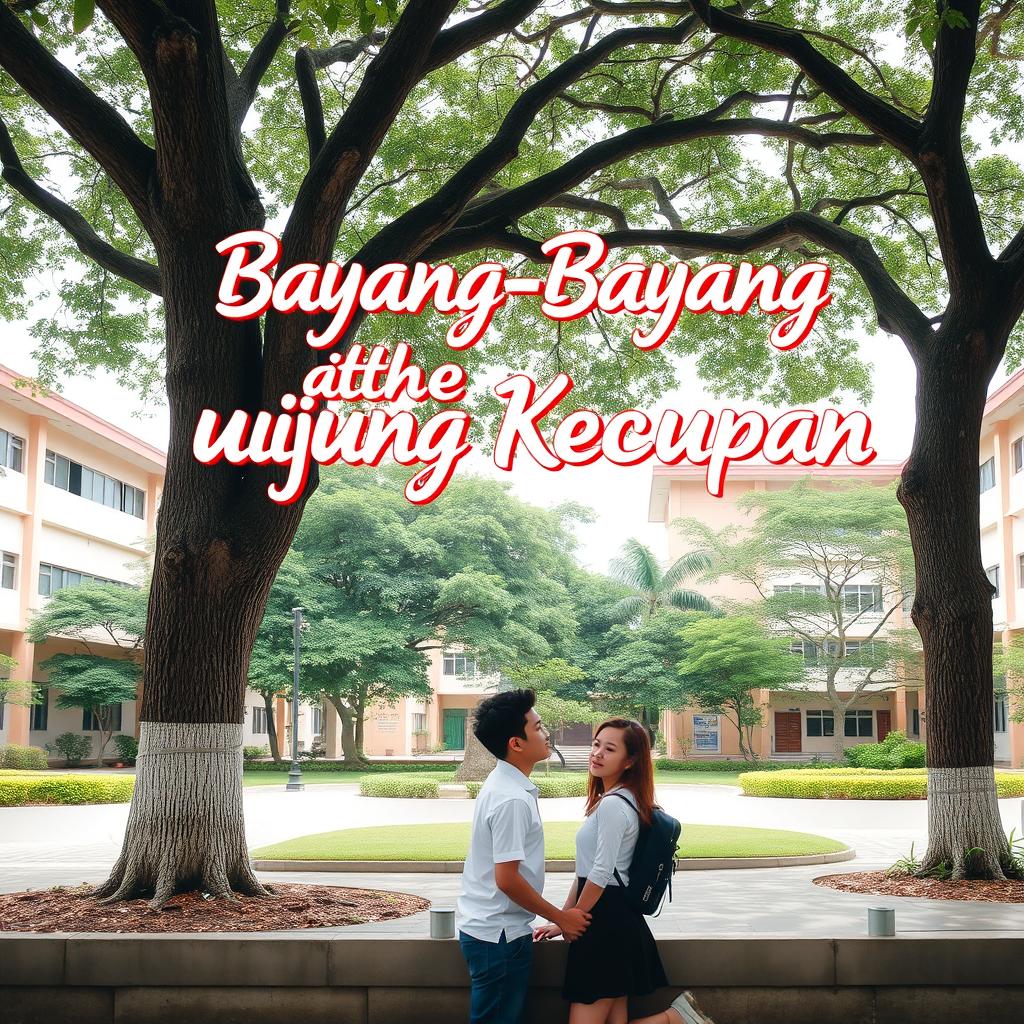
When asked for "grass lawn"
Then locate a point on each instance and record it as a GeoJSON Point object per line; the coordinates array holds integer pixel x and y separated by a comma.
{"type": "Point", "coordinates": [336, 778]}
{"type": "Point", "coordinates": [451, 841]}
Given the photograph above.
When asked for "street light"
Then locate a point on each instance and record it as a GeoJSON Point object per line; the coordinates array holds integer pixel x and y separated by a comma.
{"type": "Point", "coordinates": [295, 784]}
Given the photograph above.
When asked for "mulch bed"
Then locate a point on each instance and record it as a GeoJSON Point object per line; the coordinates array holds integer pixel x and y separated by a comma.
{"type": "Point", "coordinates": [69, 909]}
{"type": "Point", "coordinates": [878, 883]}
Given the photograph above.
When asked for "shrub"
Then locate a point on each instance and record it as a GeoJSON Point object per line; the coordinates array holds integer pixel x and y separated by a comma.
{"type": "Point", "coordinates": [127, 748]}
{"type": "Point", "coordinates": [72, 746]}
{"type": "Point", "coordinates": [22, 758]}
{"type": "Point", "coordinates": [400, 787]}
{"type": "Point", "coordinates": [857, 784]}
{"type": "Point", "coordinates": [554, 786]}
{"type": "Point", "coordinates": [663, 764]}
{"type": "Point", "coordinates": [398, 767]}
{"type": "Point", "coordinates": [253, 753]}
{"type": "Point", "coordinates": [65, 789]}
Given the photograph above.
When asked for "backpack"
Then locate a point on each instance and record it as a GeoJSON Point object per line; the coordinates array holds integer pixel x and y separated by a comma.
{"type": "Point", "coordinates": [653, 863]}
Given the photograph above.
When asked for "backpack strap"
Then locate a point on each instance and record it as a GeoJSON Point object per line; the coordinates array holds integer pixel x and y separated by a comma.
{"type": "Point", "coordinates": [615, 871]}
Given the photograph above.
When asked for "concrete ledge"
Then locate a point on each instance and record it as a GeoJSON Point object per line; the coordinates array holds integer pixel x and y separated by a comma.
{"type": "Point", "coordinates": [455, 866]}
{"type": "Point", "coordinates": [261, 979]}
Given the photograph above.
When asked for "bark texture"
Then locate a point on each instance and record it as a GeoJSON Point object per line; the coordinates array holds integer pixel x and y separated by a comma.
{"type": "Point", "coordinates": [275, 752]}
{"type": "Point", "coordinates": [964, 822]}
{"type": "Point", "coordinates": [185, 828]}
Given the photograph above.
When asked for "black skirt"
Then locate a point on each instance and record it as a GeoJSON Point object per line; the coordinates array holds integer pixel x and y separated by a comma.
{"type": "Point", "coordinates": [615, 956]}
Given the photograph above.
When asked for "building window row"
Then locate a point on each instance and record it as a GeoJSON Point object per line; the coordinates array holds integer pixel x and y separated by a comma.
{"type": "Point", "coordinates": [858, 652]}
{"type": "Point", "coordinates": [54, 577]}
{"type": "Point", "coordinates": [855, 723]}
{"type": "Point", "coordinates": [460, 665]}
{"type": "Point", "coordinates": [12, 451]}
{"type": "Point", "coordinates": [9, 571]}
{"type": "Point", "coordinates": [857, 597]}
{"type": "Point", "coordinates": [90, 483]}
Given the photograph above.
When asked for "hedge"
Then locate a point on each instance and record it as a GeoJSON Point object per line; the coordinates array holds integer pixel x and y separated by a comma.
{"type": "Point", "coordinates": [410, 787]}
{"type": "Point", "coordinates": [664, 764]}
{"type": "Point", "coordinates": [857, 784]}
{"type": "Point", "coordinates": [31, 759]}
{"type": "Point", "coordinates": [315, 765]}
{"type": "Point", "coordinates": [17, 790]}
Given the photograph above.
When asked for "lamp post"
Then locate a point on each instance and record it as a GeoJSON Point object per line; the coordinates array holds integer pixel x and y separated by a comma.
{"type": "Point", "coordinates": [295, 783]}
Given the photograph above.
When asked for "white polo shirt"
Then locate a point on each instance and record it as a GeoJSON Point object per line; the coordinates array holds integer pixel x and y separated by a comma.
{"type": "Point", "coordinates": [506, 826]}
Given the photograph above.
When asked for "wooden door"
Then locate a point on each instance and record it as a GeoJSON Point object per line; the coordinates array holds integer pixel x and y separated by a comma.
{"type": "Point", "coordinates": [884, 724]}
{"type": "Point", "coordinates": [788, 732]}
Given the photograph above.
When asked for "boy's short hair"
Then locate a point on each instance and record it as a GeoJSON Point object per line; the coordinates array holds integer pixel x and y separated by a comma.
{"type": "Point", "coordinates": [499, 718]}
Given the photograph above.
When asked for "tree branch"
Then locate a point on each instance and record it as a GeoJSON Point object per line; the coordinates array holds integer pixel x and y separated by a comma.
{"type": "Point", "coordinates": [244, 90]}
{"type": "Point", "coordinates": [453, 42]}
{"type": "Point", "coordinates": [88, 119]}
{"type": "Point", "coordinates": [897, 128]}
{"type": "Point", "coordinates": [312, 102]}
{"type": "Point", "coordinates": [139, 272]}
{"type": "Point", "coordinates": [585, 205]}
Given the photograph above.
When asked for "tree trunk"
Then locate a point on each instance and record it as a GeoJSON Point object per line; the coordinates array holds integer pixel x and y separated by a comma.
{"type": "Point", "coordinates": [838, 729]}
{"type": "Point", "coordinates": [346, 716]}
{"type": "Point", "coordinates": [360, 730]}
{"type": "Point", "coordinates": [952, 605]}
{"type": "Point", "coordinates": [477, 761]}
{"type": "Point", "coordinates": [275, 752]}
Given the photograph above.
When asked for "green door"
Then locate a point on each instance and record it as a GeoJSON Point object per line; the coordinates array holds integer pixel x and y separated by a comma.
{"type": "Point", "coordinates": [454, 728]}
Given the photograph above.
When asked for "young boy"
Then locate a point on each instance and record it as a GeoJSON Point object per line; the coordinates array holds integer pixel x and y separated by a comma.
{"type": "Point", "coordinates": [504, 872]}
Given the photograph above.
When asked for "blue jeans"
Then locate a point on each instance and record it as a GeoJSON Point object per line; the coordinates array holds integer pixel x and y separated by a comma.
{"type": "Point", "coordinates": [498, 973]}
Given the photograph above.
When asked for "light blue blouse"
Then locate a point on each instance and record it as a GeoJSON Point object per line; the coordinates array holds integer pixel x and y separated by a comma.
{"type": "Point", "coordinates": [607, 839]}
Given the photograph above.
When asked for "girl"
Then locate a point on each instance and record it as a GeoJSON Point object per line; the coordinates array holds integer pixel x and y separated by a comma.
{"type": "Point", "coordinates": [616, 957]}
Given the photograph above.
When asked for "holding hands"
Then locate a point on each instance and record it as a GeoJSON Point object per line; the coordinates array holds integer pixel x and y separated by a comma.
{"type": "Point", "coordinates": [571, 924]}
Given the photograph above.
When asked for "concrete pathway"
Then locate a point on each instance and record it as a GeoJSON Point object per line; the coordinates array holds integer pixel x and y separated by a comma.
{"type": "Point", "coordinates": [45, 846]}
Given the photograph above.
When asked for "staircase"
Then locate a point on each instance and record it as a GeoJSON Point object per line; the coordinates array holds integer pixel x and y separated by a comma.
{"type": "Point", "coordinates": [577, 759]}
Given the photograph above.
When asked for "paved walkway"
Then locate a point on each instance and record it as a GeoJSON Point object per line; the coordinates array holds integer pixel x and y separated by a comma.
{"type": "Point", "coordinates": [44, 846]}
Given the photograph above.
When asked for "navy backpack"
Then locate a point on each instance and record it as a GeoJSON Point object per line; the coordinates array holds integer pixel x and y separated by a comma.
{"type": "Point", "coordinates": [653, 863]}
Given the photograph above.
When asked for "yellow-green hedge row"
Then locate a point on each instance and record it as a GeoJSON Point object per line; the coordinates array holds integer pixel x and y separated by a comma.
{"type": "Point", "coordinates": [410, 787]}
{"type": "Point", "coordinates": [22, 788]}
{"type": "Point", "coordinates": [856, 784]}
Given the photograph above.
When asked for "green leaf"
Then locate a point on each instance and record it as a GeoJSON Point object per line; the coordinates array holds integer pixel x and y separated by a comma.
{"type": "Point", "coordinates": [84, 11]}
{"type": "Point", "coordinates": [954, 18]}
{"type": "Point", "coordinates": [331, 17]}
{"type": "Point", "coordinates": [39, 17]}
{"type": "Point", "coordinates": [366, 18]}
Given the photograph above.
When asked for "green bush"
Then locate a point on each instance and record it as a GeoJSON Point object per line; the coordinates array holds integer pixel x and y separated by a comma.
{"type": "Point", "coordinates": [568, 784]}
{"type": "Point", "coordinates": [253, 753]}
{"type": "Point", "coordinates": [127, 748]}
{"type": "Point", "coordinates": [400, 786]}
{"type": "Point", "coordinates": [22, 758]}
{"type": "Point", "coordinates": [663, 764]}
{"type": "Point", "coordinates": [857, 784]}
{"type": "Point", "coordinates": [53, 788]}
{"type": "Point", "coordinates": [71, 746]}
{"type": "Point", "coordinates": [398, 767]}
{"type": "Point", "coordinates": [893, 752]}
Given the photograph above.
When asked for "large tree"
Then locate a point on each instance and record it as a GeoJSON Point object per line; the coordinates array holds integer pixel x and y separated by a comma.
{"type": "Point", "coordinates": [726, 659]}
{"type": "Point", "coordinates": [832, 567]}
{"type": "Point", "coordinates": [177, 123]}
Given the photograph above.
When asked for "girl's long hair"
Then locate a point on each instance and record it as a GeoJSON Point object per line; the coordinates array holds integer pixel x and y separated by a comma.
{"type": "Point", "coordinates": [638, 778]}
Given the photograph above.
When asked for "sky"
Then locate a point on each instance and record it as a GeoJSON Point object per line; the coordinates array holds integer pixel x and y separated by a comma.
{"type": "Point", "coordinates": [619, 496]}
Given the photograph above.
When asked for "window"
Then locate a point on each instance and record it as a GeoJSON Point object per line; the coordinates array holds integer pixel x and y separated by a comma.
{"type": "Point", "coordinates": [1017, 454]}
{"type": "Point", "coordinates": [706, 734]}
{"type": "Point", "coordinates": [90, 483]}
{"type": "Point", "coordinates": [41, 711]}
{"type": "Point", "coordinates": [805, 648]}
{"type": "Point", "coordinates": [318, 721]}
{"type": "Point", "coordinates": [90, 723]}
{"type": "Point", "coordinates": [419, 723]}
{"type": "Point", "coordinates": [915, 722]}
{"type": "Point", "coordinates": [999, 715]}
{"type": "Point", "coordinates": [821, 723]}
{"type": "Point", "coordinates": [992, 572]}
{"type": "Point", "coordinates": [859, 723]}
{"type": "Point", "coordinates": [988, 475]}
{"type": "Point", "coordinates": [798, 588]}
{"type": "Point", "coordinates": [859, 598]}
{"type": "Point", "coordinates": [12, 451]}
{"type": "Point", "coordinates": [9, 571]}
{"type": "Point", "coordinates": [259, 721]}
{"type": "Point", "coordinates": [1020, 570]}
{"type": "Point", "coordinates": [459, 665]}
{"type": "Point", "coordinates": [53, 578]}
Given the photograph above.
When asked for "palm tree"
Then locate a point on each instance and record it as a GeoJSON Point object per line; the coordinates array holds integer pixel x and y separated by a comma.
{"type": "Point", "coordinates": [638, 568]}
